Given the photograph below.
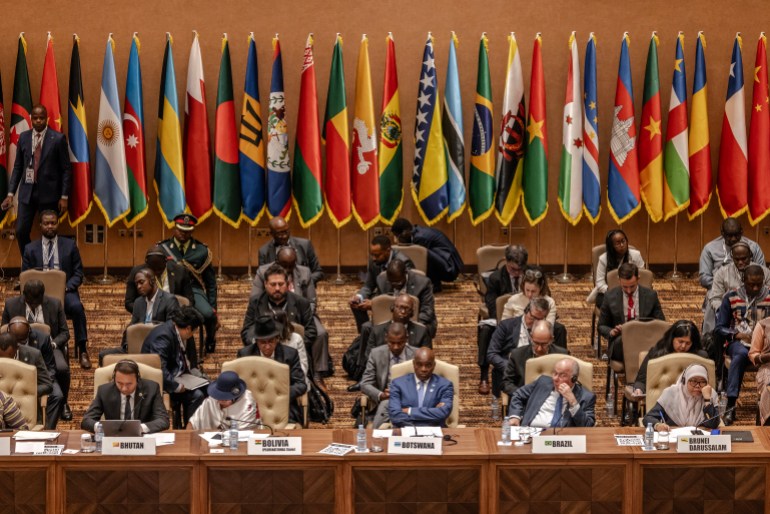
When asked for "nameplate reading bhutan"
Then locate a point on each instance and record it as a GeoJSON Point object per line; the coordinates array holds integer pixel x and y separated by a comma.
{"type": "Point", "coordinates": [128, 446]}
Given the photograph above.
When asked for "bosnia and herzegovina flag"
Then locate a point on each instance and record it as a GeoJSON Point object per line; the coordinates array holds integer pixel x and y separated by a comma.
{"type": "Point", "coordinates": [759, 135]}
{"type": "Point", "coordinates": [623, 180]}
{"type": "Point", "coordinates": [133, 132]}
{"type": "Point", "coordinates": [535, 179]}
{"type": "Point", "coordinates": [390, 149]}
{"type": "Point", "coordinates": [429, 180]}
{"type": "Point", "coordinates": [592, 199]}
{"type": "Point", "coordinates": [571, 172]}
{"type": "Point", "coordinates": [278, 178]}
{"type": "Point", "coordinates": [251, 144]}
{"type": "Point", "coordinates": [481, 183]}
{"type": "Point", "coordinates": [81, 190]}
{"type": "Point", "coordinates": [452, 129]}
{"type": "Point", "coordinates": [700, 148]}
{"type": "Point", "coordinates": [169, 167]}
{"type": "Point", "coordinates": [651, 137]}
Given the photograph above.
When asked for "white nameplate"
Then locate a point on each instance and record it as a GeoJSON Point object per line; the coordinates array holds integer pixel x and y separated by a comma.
{"type": "Point", "coordinates": [415, 445]}
{"type": "Point", "coordinates": [5, 446]}
{"type": "Point", "coordinates": [274, 446]}
{"type": "Point", "coordinates": [128, 446]}
{"type": "Point", "coordinates": [704, 444]}
{"type": "Point", "coordinates": [559, 444]}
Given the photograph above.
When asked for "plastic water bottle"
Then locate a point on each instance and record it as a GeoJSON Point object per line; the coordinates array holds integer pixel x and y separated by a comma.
{"type": "Point", "coordinates": [505, 434]}
{"type": "Point", "coordinates": [649, 437]}
{"type": "Point", "coordinates": [233, 434]}
{"type": "Point", "coordinates": [226, 438]}
{"type": "Point", "coordinates": [722, 406]}
{"type": "Point", "coordinates": [610, 405]}
{"type": "Point", "coordinates": [361, 439]}
{"type": "Point", "coordinates": [495, 408]}
{"type": "Point", "coordinates": [98, 436]}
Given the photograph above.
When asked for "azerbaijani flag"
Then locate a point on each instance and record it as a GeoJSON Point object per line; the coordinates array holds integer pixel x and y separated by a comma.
{"type": "Point", "coordinates": [535, 179]}
{"type": "Point", "coordinates": [592, 199]}
{"type": "Point", "coordinates": [335, 137]}
{"type": "Point", "coordinates": [197, 147]}
{"type": "Point", "coordinates": [571, 172]}
{"type": "Point", "coordinates": [251, 145]}
{"type": "Point", "coordinates": [133, 132]}
{"type": "Point", "coordinates": [452, 130]}
{"type": "Point", "coordinates": [700, 149]}
{"type": "Point", "coordinates": [651, 137]}
{"type": "Point", "coordinates": [278, 177]}
{"type": "Point", "coordinates": [481, 181]}
{"type": "Point", "coordinates": [391, 153]}
{"type": "Point", "coordinates": [49, 88]}
{"type": "Point", "coordinates": [676, 193]}
{"type": "Point", "coordinates": [81, 190]}
{"type": "Point", "coordinates": [21, 110]}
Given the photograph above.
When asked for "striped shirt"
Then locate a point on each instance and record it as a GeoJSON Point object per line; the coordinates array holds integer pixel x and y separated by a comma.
{"type": "Point", "coordinates": [10, 413]}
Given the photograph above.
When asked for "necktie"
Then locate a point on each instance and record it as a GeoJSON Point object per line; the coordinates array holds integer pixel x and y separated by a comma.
{"type": "Point", "coordinates": [420, 394]}
{"type": "Point", "coordinates": [127, 411]}
{"type": "Point", "coordinates": [31, 317]}
{"type": "Point", "coordinates": [515, 284]}
{"type": "Point", "coordinates": [631, 314]}
{"type": "Point", "coordinates": [38, 151]}
{"type": "Point", "coordinates": [49, 264]}
{"type": "Point", "coordinates": [556, 419]}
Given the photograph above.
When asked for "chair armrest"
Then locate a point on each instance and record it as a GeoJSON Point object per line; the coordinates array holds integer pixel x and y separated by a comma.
{"type": "Point", "coordinates": [303, 401]}
{"type": "Point", "coordinates": [364, 401]}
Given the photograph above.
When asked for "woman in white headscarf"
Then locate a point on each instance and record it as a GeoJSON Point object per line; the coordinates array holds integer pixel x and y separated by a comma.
{"type": "Point", "coordinates": [691, 401]}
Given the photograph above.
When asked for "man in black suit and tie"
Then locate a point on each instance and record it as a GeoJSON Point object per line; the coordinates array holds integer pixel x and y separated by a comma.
{"type": "Point", "coordinates": [41, 173]}
{"type": "Point", "coordinates": [627, 302]}
{"type": "Point", "coordinates": [171, 277]}
{"type": "Point", "coordinates": [306, 255]}
{"type": "Point", "coordinates": [54, 252]}
{"type": "Point", "coordinates": [127, 396]}
{"type": "Point", "coordinates": [397, 280]}
{"type": "Point", "coordinates": [541, 344]}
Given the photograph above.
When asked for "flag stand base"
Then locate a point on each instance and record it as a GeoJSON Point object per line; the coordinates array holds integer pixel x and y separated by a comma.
{"type": "Point", "coordinates": [674, 275]}
{"type": "Point", "coordinates": [104, 280]}
{"type": "Point", "coordinates": [565, 278]}
{"type": "Point", "coordinates": [221, 278]}
{"type": "Point", "coordinates": [340, 280]}
{"type": "Point", "coordinates": [248, 277]}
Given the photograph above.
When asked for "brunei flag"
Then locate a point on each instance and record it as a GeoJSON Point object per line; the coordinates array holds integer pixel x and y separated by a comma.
{"type": "Point", "coordinates": [251, 145]}
{"type": "Point", "coordinates": [623, 179]}
{"type": "Point", "coordinates": [197, 147]}
{"type": "Point", "coordinates": [535, 179]}
{"type": "Point", "coordinates": [592, 200]}
{"type": "Point", "coordinates": [429, 179]}
{"type": "Point", "coordinates": [481, 183]}
{"type": "Point", "coordinates": [452, 129]}
{"type": "Point", "coordinates": [133, 133]}
{"type": "Point", "coordinates": [391, 153]}
{"type": "Point", "coordinates": [49, 88]}
{"type": "Point", "coordinates": [676, 190]}
{"type": "Point", "coordinates": [81, 190]}
{"type": "Point", "coordinates": [169, 170]}
{"type": "Point", "coordinates": [759, 137]}
{"type": "Point", "coordinates": [278, 177]}
{"type": "Point", "coordinates": [651, 137]}
{"type": "Point", "coordinates": [21, 110]}
{"type": "Point", "coordinates": [335, 137]}
{"type": "Point", "coordinates": [699, 147]}
{"type": "Point", "coordinates": [571, 172]}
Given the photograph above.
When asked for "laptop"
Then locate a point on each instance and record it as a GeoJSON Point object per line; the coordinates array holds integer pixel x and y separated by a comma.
{"type": "Point", "coordinates": [122, 428]}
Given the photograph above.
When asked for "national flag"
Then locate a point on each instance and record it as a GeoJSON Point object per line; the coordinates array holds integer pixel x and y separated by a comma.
{"type": "Point", "coordinates": [335, 138]}
{"type": "Point", "coordinates": [391, 162]}
{"type": "Point", "coordinates": [676, 190]}
{"type": "Point", "coordinates": [133, 134]}
{"type": "Point", "coordinates": [623, 179]}
{"type": "Point", "coordinates": [651, 137]}
{"type": "Point", "coordinates": [592, 199]}
{"type": "Point", "coordinates": [571, 172]}
{"type": "Point", "coordinates": [251, 143]}
{"type": "Point", "coordinates": [81, 189]}
{"type": "Point", "coordinates": [306, 177]}
{"type": "Point", "coordinates": [49, 88]}
{"type": "Point", "coordinates": [21, 110]}
{"type": "Point", "coordinates": [169, 167]}
{"type": "Point", "coordinates": [365, 180]}
{"type": "Point", "coordinates": [197, 147]}
{"type": "Point", "coordinates": [732, 178]}
{"type": "Point", "coordinates": [452, 129]}
{"type": "Point", "coordinates": [759, 137]}
{"type": "Point", "coordinates": [481, 181]}
{"type": "Point", "coordinates": [535, 179]}
{"type": "Point", "coordinates": [278, 168]}
{"type": "Point", "coordinates": [3, 156]}
{"type": "Point", "coordinates": [429, 179]}
{"type": "Point", "coordinates": [510, 147]}
{"type": "Point", "coordinates": [227, 178]}
{"type": "Point", "coordinates": [110, 174]}
{"type": "Point", "coordinates": [700, 149]}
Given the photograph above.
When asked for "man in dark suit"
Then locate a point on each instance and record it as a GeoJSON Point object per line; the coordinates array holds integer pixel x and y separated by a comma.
{"type": "Point", "coordinates": [173, 341]}
{"type": "Point", "coordinates": [381, 254]}
{"type": "Point", "coordinates": [627, 302]}
{"type": "Point", "coordinates": [10, 349]}
{"type": "Point", "coordinates": [540, 344]}
{"type": "Point", "coordinates": [41, 173]}
{"type": "Point", "coordinates": [54, 252]}
{"type": "Point", "coordinates": [444, 261]}
{"type": "Point", "coordinates": [127, 396]}
{"type": "Point", "coordinates": [306, 256]}
{"type": "Point", "coordinates": [376, 380]}
{"type": "Point", "coordinates": [557, 401]}
{"type": "Point", "coordinates": [397, 280]}
{"type": "Point", "coordinates": [170, 276]}
{"type": "Point", "coordinates": [417, 335]}
{"type": "Point", "coordinates": [267, 343]}
{"type": "Point", "coordinates": [421, 398]}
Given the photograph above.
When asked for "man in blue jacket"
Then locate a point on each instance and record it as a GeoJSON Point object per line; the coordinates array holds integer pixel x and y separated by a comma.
{"type": "Point", "coordinates": [421, 398]}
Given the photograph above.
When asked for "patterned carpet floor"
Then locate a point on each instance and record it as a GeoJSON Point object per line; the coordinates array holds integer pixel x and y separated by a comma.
{"type": "Point", "coordinates": [456, 307]}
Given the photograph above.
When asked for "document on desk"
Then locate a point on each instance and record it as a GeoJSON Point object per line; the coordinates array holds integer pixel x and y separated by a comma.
{"type": "Point", "coordinates": [162, 438]}
{"type": "Point", "coordinates": [421, 431]}
{"type": "Point", "coordinates": [382, 432]}
{"type": "Point", "coordinates": [28, 435]}
{"type": "Point", "coordinates": [243, 435]}
{"type": "Point", "coordinates": [191, 382]}
{"type": "Point", "coordinates": [630, 440]}
{"type": "Point", "coordinates": [30, 447]}
{"type": "Point", "coordinates": [676, 432]}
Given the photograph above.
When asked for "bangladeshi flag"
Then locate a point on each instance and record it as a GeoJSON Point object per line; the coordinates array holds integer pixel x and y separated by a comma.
{"type": "Point", "coordinates": [535, 180]}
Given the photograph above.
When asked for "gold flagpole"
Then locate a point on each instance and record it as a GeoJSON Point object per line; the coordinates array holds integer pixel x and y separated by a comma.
{"type": "Point", "coordinates": [565, 278]}
{"type": "Point", "coordinates": [674, 274]}
{"type": "Point", "coordinates": [538, 243]}
{"type": "Point", "coordinates": [249, 276]}
{"type": "Point", "coordinates": [339, 280]}
{"type": "Point", "coordinates": [133, 246]}
{"type": "Point", "coordinates": [220, 277]}
{"type": "Point", "coordinates": [105, 279]}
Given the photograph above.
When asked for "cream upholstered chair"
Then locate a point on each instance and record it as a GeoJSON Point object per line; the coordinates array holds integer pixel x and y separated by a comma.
{"type": "Point", "coordinates": [182, 300]}
{"type": "Point", "coordinates": [500, 305]}
{"type": "Point", "coordinates": [103, 375]}
{"type": "Point", "coordinates": [646, 278]}
{"type": "Point", "coordinates": [136, 334]}
{"type": "Point", "coordinates": [54, 280]}
{"type": "Point", "coordinates": [19, 380]}
{"type": "Point", "coordinates": [596, 339]}
{"type": "Point", "coordinates": [41, 327]}
{"type": "Point", "coordinates": [269, 382]}
{"type": "Point", "coordinates": [381, 308]}
{"type": "Point", "coordinates": [663, 371]}
{"type": "Point", "coordinates": [417, 254]}
{"type": "Point", "coordinates": [489, 258]}
{"type": "Point", "coordinates": [149, 359]}
{"type": "Point", "coordinates": [443, 369]}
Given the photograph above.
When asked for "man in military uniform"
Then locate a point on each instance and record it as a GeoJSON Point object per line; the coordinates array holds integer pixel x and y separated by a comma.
{"type": "Point", "coordinates": [196, 258]}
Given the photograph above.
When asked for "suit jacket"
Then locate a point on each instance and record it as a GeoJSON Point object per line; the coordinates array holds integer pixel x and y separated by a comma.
{"type": "Point", "coordinates": [305, 256]}
{"type": "Point", "coordinates": [179, 283]}
{"type": "Point", "coordinates": [69, 260]}
{"type": "Point", "coordinates": [148, 406]}
{"type": "Point", "coordinates": [516, 369]}
{"type": "Point", "coordinates": [528, 400]}
{"type": "Point", "coordinates": [504, 340]}
{"type": "Point", "coordinates": [165, 304]}
{"type": "Point", "coordinates": [42, 343]}
{"type": "Point", "coordinates": [286, 355]}
{"type": "Point", "coordinates": [375, 378]}
{"type": "Point", "coordinates": [163, 340]}
{"type": "Point", "coordinates": [301, 278]}
{"type": "Point", "coordinates": [417, 337]}
{"type": "Point", "coordinates": [53, 316]}
{"type": "Point", "coordinates": [420, 287]}
{"type": "Point", "coordinates": [53, 173]}
{"type": "Point", "coordinates": [498, 284]}
{"type": "Point", "coordinates": [612, 308]}
{"type": "Point", "coordinates": [33, 357]}
{"type": "Point", "coordinates": [198, 257]}
{"type": "Point", "coordinates": [403, 393]}
{"type": "Point", "coordinates": [373, 270]}
{"type": "Point", "coordinates": [297, 309]}
{"type": "Point", "coordinates": [441, 252]}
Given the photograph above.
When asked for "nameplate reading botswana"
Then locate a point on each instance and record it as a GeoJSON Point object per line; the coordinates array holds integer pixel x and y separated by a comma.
{"type": "Point", "coordinates": [415, 445]}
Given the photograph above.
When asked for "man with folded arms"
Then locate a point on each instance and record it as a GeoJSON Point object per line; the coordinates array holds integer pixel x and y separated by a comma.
{"type": "Point", "coordinates": [421, 398]}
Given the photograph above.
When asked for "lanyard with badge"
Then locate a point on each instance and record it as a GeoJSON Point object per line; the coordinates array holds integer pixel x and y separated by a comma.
{"type": "Point", "coordinates": [29, 175]}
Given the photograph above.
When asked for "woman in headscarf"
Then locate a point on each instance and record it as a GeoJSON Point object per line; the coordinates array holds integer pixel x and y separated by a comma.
{"type": "Point", "coordinates": [228, 397]}
{"type": "Point", "coordinates": [759, 355]}
{"type": "Point", "coordinates": [691, 401]}
{"type": "Point", "coordinates": [616, 253]}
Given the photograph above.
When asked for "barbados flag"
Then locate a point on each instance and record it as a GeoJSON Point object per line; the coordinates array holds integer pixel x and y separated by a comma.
{"type": "Point", "coordinates": [251, 145]}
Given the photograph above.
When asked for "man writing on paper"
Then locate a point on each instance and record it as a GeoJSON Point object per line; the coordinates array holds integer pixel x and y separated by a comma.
{"type": "Point", "coordinates": [421, 398]}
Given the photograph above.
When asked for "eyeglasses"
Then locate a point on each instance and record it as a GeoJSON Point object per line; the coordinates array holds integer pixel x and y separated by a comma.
{"type": "Point", "coordinates": [533, 273]}
{"type": "Point", "coordinates": [697, 383]}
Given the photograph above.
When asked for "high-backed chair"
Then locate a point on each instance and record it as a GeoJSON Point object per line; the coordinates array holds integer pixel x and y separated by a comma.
{"type": "Point", "coordinates": [443, 369]}
{"type": "Point", "coordinates": [103, 375]}
{"type": "Point", "coordinates": [500, 305]}
{"type": "Point", "coordinates": [54, 280]}
{"type": "Point", "coordinates": [136, 334]}
{"type": "Point", "coordinates": [299, 329]}
{"type": "Point", "coordinates": [663, 371]}
{"type": "Point", "coordinates": [269, 382]}
{"type": "Point", "coordinates": [646, 278]}
{"type": "Point", "coordinates": [418, 255]}
{"type": "Point", "coordinates": [149, 359]}
{"type": "Point", "coordinates": [488, 258]}
{"type": "Point", "coordinates": [41, 327]}
{"type": "Point", "coordinates": [381, 308]}
{"type": "Point", "coordinates": [596, 339]}
{"type": "Point", "coordinates": [19, 380]}
{"type": "Point", "coordinates": [182, 300]}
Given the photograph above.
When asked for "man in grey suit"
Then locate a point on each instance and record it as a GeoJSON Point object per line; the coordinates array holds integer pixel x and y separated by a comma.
{"type": "Point", "coordinates": [376, 380]}
{"type": "Point", "coordinates": [10, 349]}
{"type": "Point", "coordinates": [306, 256]}
{"type": "Point", "coordinates": [541, 343]}
{"type": "Point", "coordinates": [397, 279]}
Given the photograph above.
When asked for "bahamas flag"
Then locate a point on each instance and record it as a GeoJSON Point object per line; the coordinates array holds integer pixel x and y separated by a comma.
{"type": "Point", "coordinates": [700, 148]}
{"type": "Point", "coordinates": [169, 170]}
{"type": "Point", "coordinates": [278, 178]}
{"type": "Point", "coordinates": [390, 149]}
{"type": "Point", "coordinates": [592, 200]}
{"type": "Point", "coordinates": [482, 175]}
{"type": "Point", "coordinates": [452, 128]}
{"type": "Point", "coordinates": [251, 145]}
{"type": "Point", "coordinates": [133, 130]}
{"type": "Point", "coordinates": [81, 190]}
{"type": "Point", "coordinates": [429, 180]}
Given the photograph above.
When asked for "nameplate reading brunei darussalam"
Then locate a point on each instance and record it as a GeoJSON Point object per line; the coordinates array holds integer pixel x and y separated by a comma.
{"type": "Point", "coordinates": [704, 444]}
{"type": "Point", "coordinates": [559, 444]}
{"type": "Point", "coordinates": [128, 446]}
{"type": "Point", "coordinates": [275, 446]}
{"type": "Point", "coordinates": [415, 445]}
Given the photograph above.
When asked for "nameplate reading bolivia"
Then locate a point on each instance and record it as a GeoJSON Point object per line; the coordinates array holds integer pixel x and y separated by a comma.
{"type": "Point", "coordinates": [415, 445]}
{"type": "Point", "coordinates": [559, 444]}
{"type": "Point", "coordinates": [704, 444]}
{"type": "Point", "coordinates": [128, 446]}
{"type": "Point", "coordinates": [278, 446]}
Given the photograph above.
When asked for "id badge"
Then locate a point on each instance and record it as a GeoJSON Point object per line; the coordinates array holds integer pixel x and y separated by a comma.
{"type": "Point", "coordinates": [29, 176]}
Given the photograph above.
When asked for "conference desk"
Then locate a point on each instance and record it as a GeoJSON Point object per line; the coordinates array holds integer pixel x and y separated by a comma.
{"type": "Point", "coordinates": [474, 475]}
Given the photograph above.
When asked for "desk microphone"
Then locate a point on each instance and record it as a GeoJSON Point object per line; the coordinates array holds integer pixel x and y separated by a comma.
{"type": "Point", "coordinates": [246, 422]}
{"type": "Point", "coordinates": [731, 409]}
{"type": "Point", "coordinates": [560, 418]}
